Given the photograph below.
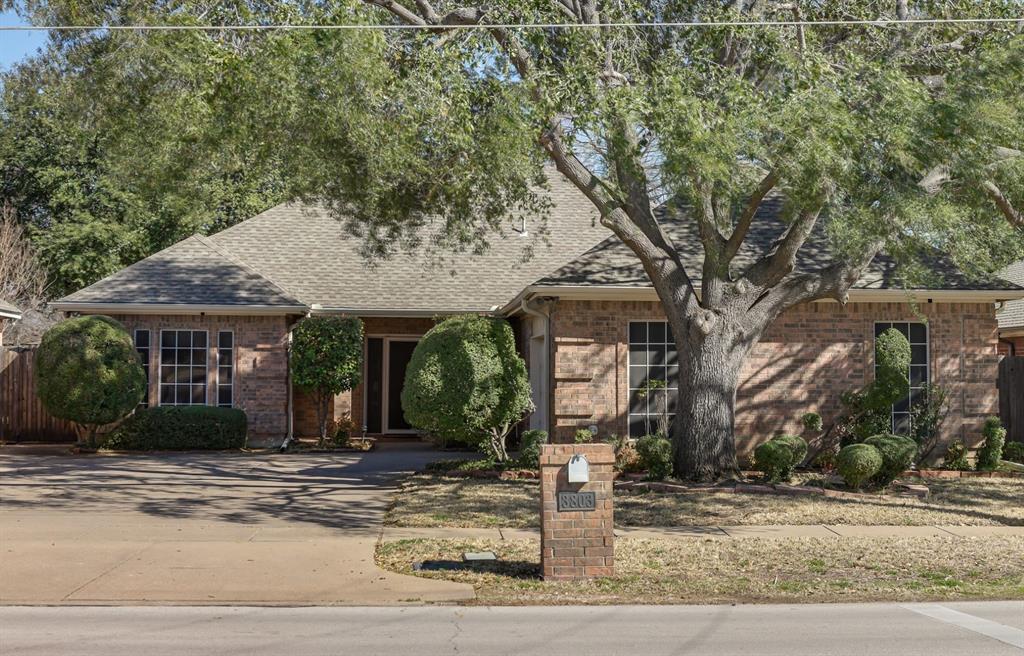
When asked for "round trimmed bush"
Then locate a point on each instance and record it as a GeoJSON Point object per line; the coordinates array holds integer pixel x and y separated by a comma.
{"type": "Point", "coordinates": [88, 372]}
{"type": "Point", "coordinates": [466, 382]}
{"type": "Point", "coordinates": [991, 452]}
{"type": "Point", "coordinates": [774, 459]}
{"type": "Point", "coordinates": [777, 457]}
{"type": "Point", "coordinates": [655, 456]}
{"type": "Point", "coordinates": [897, 453]}
{"type": "Point", "coordinates": [529, 449]}
{"type": "Point", "coordinates": [858, 463]}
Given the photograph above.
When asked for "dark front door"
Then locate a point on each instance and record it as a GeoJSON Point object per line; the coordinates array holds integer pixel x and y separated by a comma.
{"type": "Point", "coordinates": [399, 353]}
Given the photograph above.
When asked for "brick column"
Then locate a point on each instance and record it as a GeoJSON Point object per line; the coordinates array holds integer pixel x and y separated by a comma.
{"type": "Point", "coordinates": [576, 544]}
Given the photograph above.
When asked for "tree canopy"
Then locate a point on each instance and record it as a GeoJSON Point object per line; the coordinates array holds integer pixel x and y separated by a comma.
{"type": "Point", "coordinates": [899, 136]}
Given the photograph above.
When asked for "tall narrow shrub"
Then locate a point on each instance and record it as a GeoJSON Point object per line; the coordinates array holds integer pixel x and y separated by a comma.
{"type": "Point", "coordinates": [465, 381]}
{"type": "Point", "coordinates": [88, 372]}
{"type": "Point", "coordinates": [991, 452]}
{"type": "Point", "coordinates": [327, 359]}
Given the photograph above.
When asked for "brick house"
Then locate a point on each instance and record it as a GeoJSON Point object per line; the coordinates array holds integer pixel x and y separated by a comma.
{"type": "Point", "coordinates": [211, 317]}
{"type": "Point", "coordinates": [8, 314]}
{"type": "Point", "coordinates": [1011, 315]}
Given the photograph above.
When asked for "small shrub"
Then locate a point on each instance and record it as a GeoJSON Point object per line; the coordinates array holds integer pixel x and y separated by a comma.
{"type": "Point", "coordinates": [655, 456]}
{"type": "Point", "coordinates": [926, 416]}
{"type": "Point", "coordinates": [796, 445]}
{"type": "Point", "coordinates": [812, 422]}
{"type": "Point", "coordinates": [529, 449]}
{"type": "Point", "coordinates": [825, 460]}
{"type": "Point", "coordinates": [180, 428]}
{"type": "Point", "coordinates": [992, 451]}
{"type": "Point", "coordinates": [775, 460]}
{"type": "Point", "coordinates": [956, 457]}
{"type": "Point", "coordinates": [858, 463]}
{"type": "Point", "coordinates": [443, 466]}
{"type": "Point", "coordinates": [87, 371]}
{"type": "Point", "coordinates": [340, 430]}
{"type": "Point", "coordinates": [583, 436]}
{"type": "Point", "coordinates": [1014, 452]}
{"type": "Point", "coordinates": [897, 454]}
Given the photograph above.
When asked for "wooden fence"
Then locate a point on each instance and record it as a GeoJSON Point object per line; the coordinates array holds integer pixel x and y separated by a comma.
{"type": "Point", "coordinates": [1011, 397]}
{"type": "Point", "coordinates": [22, 417]}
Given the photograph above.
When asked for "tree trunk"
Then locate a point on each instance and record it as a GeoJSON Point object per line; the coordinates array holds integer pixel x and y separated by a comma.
{"type": "Point", "coordinates": [321, 415]}
{"type": "Point", "coordinates": [702, 433]}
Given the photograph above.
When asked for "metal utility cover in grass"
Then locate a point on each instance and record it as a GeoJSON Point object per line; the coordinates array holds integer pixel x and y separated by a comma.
{"type": "Point", "coordinates": [478, 556]}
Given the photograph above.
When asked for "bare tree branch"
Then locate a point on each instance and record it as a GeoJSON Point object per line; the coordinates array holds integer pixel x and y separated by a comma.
{"type": "Point", "coordinates": [1013, 215]}
{"type": "Point", "coordinates": [739, 233]}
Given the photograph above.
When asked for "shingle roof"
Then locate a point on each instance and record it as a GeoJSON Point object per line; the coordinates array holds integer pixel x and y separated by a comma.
{"type": "Point", "coordinates": [1012, 313]}
{"type": "Point", "coordinates": [308, 252]}
{"type": "Point", "coordinates": [8, 309]}
{"type": "Point", "coordinates": [612, 263]}
{"type": "Point", "coordinates": [195, 271]}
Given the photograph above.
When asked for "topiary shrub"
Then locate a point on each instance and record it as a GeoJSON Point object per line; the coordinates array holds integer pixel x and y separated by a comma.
{"type": "Point", "coordinates": [897, 454]}
{"type": "Point", "coordinates": [326, 360]}
{"type": "Point", "coordinates": [858, 463]}
{"type": "Point", "coordinates": [812, 421]}
{"type": "Point", "coordinates": [955, 458]}
{"type": "Point", "coordinates": [1014, 452]}
{"type": "Point", "coordinates": [869, 410]}
{"type": "Point", "coordinates": [465, 381]}
{"type": "Point", "coordinates": [88, 372]}
{"type": "Point", "coordinates": [775, 460]}
{"type": "Point", "coordinates": [777, 457]}
{"type": "Point", "coordinates": [992, 451]}
{"type": "Point", "coordinates": [655, 456]}
{"type": "Point", "coordinates": [529, 449]}
{"type": "Point", "coordinates": [180, 428]}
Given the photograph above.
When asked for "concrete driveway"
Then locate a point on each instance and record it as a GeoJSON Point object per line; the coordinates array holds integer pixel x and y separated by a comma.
{"type": "Point", "coordinates": [204, 528]}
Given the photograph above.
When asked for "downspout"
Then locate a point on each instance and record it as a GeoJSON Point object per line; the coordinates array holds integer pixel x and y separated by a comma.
{"type": "Point", "coordinates": [545, 389]}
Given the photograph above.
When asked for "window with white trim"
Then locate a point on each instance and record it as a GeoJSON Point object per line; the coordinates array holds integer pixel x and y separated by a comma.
{"type": "Point", "coordinates": [225, 368]}
{"type": "Point", "coordinates": [917, 334]}
{"type": "Point", "coordinates": [653, 377]}
{"type": "Point", "coordinates": [142, 348]}
{"type": "Point", "coordinates": [183, 357]}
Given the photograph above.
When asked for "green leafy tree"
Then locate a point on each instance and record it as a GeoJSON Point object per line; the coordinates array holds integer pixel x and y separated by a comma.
{"type": "Point", "coordinates": [465, 381]}
{"type": "Point", "coordinates": [903, 137]}
{"type": "Point", "coordinates": [327, 359]}
{"type": "Point", "coordinates": [88, 372]}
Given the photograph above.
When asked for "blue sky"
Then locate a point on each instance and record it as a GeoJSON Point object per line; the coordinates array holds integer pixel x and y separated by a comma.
{"type": "Point", "coordinates": [15, 46]}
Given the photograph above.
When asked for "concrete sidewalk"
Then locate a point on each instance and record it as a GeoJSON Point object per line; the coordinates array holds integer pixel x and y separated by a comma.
{"type": "Point", "coordinates": [395, 533]}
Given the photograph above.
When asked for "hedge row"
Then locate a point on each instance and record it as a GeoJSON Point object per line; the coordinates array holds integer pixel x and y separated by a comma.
{"type": "Point", "coordinates": [180, 428]}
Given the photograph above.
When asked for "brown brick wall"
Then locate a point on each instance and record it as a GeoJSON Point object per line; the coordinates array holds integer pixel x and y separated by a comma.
{"type": "Point", "coordinates": [261, 363]}
{"type": "Point", "coordinates": [804, 361]}
{"type": "Point", "coordinates": [576, 545]}
{"type": "Point", "coordinates": [1018, 345]}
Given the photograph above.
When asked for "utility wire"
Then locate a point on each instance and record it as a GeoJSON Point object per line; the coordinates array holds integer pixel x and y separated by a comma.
{"type": "Point", "coordinates": [881, 22]}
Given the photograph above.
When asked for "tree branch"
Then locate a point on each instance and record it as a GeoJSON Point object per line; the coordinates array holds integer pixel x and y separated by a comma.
{"type": "Point", "coordinates": [774, 267]}
{"type": "Point", "coordinates": [1013, 215]}
{"type": "Point", "coordinates": [739, 233]}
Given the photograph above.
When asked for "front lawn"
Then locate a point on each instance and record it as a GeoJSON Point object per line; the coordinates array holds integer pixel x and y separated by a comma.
{"type": "Point", "coordinates": [754, 570]}
{"type": "Point", "coordinates": [435, 501]}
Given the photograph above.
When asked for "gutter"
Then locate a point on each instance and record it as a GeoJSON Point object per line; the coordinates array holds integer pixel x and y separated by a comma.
{"type": "Point", "coordinates": [394, 312]}
{"type": "Point", "coordinates": [177, 308]}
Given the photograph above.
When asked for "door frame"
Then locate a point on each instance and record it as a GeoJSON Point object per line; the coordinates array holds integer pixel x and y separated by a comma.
{"type": "Point", "coordinates": [387, 339]}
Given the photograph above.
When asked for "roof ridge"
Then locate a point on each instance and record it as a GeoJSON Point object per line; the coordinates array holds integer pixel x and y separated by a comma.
{"type": "Point", "coordinates": [209, 243]}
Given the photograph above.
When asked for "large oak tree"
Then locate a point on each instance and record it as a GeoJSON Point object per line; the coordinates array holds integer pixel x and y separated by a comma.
{"type": "Point", "coordinates": [898, 136]}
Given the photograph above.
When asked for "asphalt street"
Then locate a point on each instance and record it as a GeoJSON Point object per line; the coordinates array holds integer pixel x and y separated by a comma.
{"type": "Point", "coordinates": [950, 629]}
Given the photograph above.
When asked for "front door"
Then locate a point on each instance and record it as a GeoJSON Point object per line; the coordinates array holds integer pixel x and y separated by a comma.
{"type": "Point", "coordinates": [386, 361]}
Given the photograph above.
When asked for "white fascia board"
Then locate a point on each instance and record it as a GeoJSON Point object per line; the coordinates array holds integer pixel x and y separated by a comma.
{"type": "Point", "coordinates": [394, 312]}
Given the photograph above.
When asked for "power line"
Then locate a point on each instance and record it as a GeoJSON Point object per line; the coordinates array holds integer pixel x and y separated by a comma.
{"type": "Point", "coordinates": [881, 22]}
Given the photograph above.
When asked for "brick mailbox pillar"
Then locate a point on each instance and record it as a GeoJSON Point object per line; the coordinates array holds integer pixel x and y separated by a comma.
{"type": "Point", "coordinates": [576, 539]}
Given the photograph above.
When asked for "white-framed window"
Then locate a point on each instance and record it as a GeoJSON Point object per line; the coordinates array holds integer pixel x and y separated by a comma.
{"type": "Point", "coordinates": [183, 358]}
{"type": "Point", "coordinates": [225, 369]}
{"type": "Point", "coordinates": [653, 376]}
{"type": "Point", "coordinates": [917, 334]}
{"type": "Point", "coordinates": [142, 348]}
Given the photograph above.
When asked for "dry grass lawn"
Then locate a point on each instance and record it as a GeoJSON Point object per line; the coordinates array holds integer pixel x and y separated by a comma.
{"type": "Point", "coordinates": [740, 570]}
{"type": "Point", "coordinates": [435, 501]}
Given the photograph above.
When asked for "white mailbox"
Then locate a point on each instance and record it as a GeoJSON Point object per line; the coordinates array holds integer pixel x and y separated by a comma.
{"type": "Point", "coordinates": [579, 469]}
